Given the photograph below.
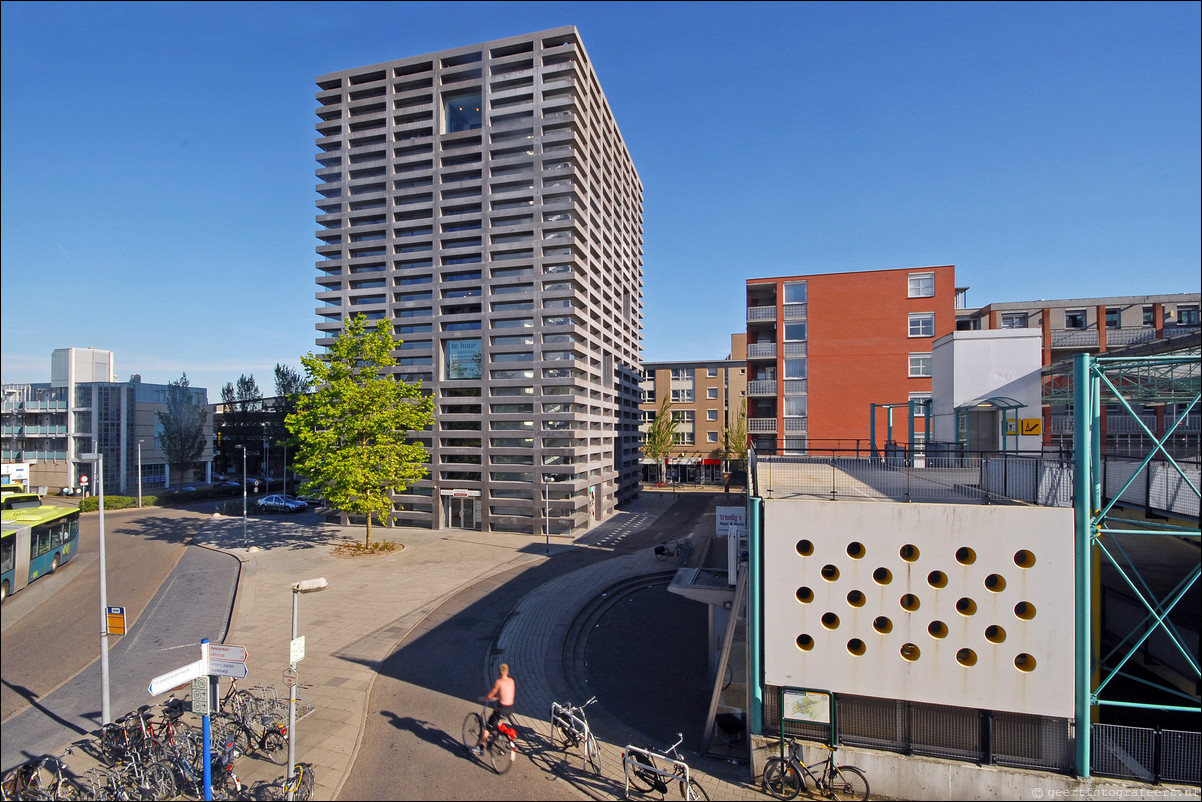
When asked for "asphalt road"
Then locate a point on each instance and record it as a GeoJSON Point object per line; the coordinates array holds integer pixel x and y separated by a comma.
{"type": "Point", "coordinates": [411, 745]}
{"type": "Point", "coordinates": [50, 672]}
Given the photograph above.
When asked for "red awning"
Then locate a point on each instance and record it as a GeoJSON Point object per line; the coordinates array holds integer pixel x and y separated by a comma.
{"type": "Point", "coordinates": [708, 461]}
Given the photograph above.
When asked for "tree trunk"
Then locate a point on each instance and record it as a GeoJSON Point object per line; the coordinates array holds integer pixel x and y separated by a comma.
{"type": "Point", "coordinates": [367, 540]}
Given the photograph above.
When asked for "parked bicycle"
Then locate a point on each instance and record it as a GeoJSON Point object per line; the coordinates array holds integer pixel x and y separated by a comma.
{"type": "Point", "coordinates": [500, 748]}
{"type": "Point", "coordinates": [677, 547]}
{"type": "Point", "coordinates": [785, 777]}
{"type": "Point", "coordinates": [40, 779]}
{"type": "Point", "coordinates": [570, 729]}
{"type": "Point", "coordinates": [647, 770]}
{"type": "Point", "coordinates": [298, 787]}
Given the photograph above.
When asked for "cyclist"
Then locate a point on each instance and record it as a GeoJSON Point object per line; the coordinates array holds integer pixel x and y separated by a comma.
{"type": "Point", "coordinates": [504, 691]}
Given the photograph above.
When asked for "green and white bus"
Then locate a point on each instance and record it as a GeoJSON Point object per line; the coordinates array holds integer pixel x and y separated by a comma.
{"type": "Point", "coordinates": [35, 539]}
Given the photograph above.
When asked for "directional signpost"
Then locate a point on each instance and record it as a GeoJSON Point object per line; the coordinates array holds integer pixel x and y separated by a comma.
{"type": "Point", "coordinates": [227, 668]}
{"type": "Point", "coordinates": [174, 679]}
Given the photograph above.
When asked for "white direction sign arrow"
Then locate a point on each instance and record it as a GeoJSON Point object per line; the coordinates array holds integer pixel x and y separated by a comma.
{"type": "Point", "coordinates": [180, 676]}
{"type": "Point", "coordinates": [227, 668]}
{"type": "Point", "coordinates": [236, 654]}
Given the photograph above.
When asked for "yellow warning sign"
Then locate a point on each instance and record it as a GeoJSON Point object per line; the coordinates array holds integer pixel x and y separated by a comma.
{"type": "Point", "coordinates": [1030, 426]}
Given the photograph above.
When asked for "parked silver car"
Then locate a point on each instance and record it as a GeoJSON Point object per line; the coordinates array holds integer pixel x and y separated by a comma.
{"type": "Point", "coordinates": [280, 503]}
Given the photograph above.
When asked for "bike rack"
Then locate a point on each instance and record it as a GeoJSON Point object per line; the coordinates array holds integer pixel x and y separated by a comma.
{"type": "Point", "coordinates": [669, 775]}
{"type": "Point", "coordinates": [559, 713]}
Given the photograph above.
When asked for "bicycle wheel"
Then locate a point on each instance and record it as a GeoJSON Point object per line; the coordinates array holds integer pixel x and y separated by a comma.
{"type": "Point", "coordinates": [274, 746]}
{"type": "Point", "coordinates": [781, 779]}
{"type": "Point", "coordinates": [639, 775]}
{"type": "Point", "coordinates": [695, 791]}
{"type": "Point", "coordinates": [473, 728]}
{"type": "Point", "coordinates": [847, 782]}
{"type": "Point", "coordinates": [160, 780]}
{"type": "Point", "coordinates": [562, 737]}
{"type": "Point", "coordinates": [304, 782]}
{"type": "Point", "coordinates": [592, 755]}
{"type": "Point", "coordinates": [501, 753]}
{"type": "Point", "coordinates": [664, 552]}
{"type": "Point", "coordinates": [685, 552]}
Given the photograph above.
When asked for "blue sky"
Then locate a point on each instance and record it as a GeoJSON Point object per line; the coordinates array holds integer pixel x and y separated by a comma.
{"type": "Point", "coordinates": [158, 159]}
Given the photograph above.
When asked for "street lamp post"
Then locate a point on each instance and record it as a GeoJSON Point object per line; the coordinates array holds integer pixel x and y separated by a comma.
{"type": "Point", "coordinates": [106, 716]}
{"type": "Point", "coordinates": [245, 540]}
{"type": "Point", "coordinates": [304, 586]}
{"type": "Point", "coordinates": [139, 474]}
{"type": "Point", "coordinates": [266, 470]}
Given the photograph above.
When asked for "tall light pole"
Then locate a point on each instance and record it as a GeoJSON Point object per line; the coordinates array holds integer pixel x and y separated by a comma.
{"type": "Point", "coordinates": [266, 470]}
{"type": "Point", "coordinates": [106, 716]}
{"type": "Point", "coordinates": [304, 586]}
{"type": "Point", "coordinates": [547, 512]}
{"type": "Point", "coordinates": [245, 542]}
{"type": "Point", "coordinates": [140, 474]}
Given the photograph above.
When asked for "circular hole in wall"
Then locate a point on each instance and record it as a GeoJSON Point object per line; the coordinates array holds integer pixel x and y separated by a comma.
{"type": "Point", "coordinates": [995, 583]}
{"type": "Point", "coordinates": [882, 576]}
{"type": "Point", "coordinates": [805, 548]}
{"type": "Point", "coordinates": [1024, 662]}
{"type": "Point", "coordinates": [909, 552]}
{"type": "Point", "coordinates": [1024, 610]}
{"type": "Point", "coordinates": [1024, 558]}
{"type": "Point", "coordinates": [855, 646]}
{"type": "Point", "coordinates": [937, 629]}
{"type": "Point", "coordinates": [805, 595]}
{"type": "Point", "coordinates": [966, 657]}
{"type": "Point", "coordinates": [910, 652]}
{"type": "Point", "coordinates": [855, 598]}
{"type": "Point", "coordinates": [995, 634]}
{"type": "Point", "coordinates": [830, 572]}
{"type": "Point", "coordinates": [910, 602]}
{"type": "Point", "coordinates": [937, 579]}
{"type": "Point", "coordinates": [965, 556]}
{"type": "Point", "coordinates": [965, 606]}
{"type": "Point", "coordinates": [830, 620]}
{"type": "Point", "coordinates": [855, 550]}
{"type": "Point", "coordinates": [805, 642]}
{"type": "Point", "coordinates": [882, 625]}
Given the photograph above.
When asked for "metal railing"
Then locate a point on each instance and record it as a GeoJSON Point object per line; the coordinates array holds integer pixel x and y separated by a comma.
{"type": "Point", "coordinates": [1145, 755]}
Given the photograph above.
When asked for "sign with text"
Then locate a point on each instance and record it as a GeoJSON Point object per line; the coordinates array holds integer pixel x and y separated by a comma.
{"type": "Point", "coordinates": [296, 650]}
{"type": "Point", "coordinates": [227, 668]}
{"type": "Point", "coordinates": [726, 517]}
{"type": "Point", "coordinates": [235, 654]}
{"type": "Point", "coordinates": [176, 678]}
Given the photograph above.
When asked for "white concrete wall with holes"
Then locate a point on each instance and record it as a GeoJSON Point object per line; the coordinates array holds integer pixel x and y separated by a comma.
{"type": "Point", "coordinates": [970, 606]}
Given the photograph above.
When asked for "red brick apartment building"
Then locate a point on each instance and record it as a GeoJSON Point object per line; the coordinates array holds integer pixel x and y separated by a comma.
{"type": "Point", "coordinates": [821, 349]}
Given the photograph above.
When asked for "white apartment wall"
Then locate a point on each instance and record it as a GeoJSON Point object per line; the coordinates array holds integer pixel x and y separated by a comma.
{"type": "Point", "coordinates": [71, 366]}
{"type": "Point", "coordinates": [971, 365]}
{"type": "Point", "coordinates": [810, 570]}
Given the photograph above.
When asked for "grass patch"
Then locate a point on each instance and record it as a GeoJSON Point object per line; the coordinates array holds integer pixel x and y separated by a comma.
{"type": "Point", "coordinates": [353, 548]}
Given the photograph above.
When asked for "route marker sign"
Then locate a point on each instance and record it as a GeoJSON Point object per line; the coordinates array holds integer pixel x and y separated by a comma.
{"type": "Point", "coordinates": [227, 668]}
{"type": "Point", "coordinates": [235, 654]}
{"type": "Point", "coordinates": [173, 679]}
{"type": "Point", "coordinates": [200, 696]}
{"type": "Point", "coordinates": [296, 650]}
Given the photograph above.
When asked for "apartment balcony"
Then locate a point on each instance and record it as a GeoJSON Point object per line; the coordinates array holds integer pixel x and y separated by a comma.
{"type": "Point", "coordinates": [761, 351]}
{"type": "Point", "coordinates": [760, 314]}
{"type": "Point", "coordinates": [761, 425]}
{"type": "Point", "coordinates": [761, 387]}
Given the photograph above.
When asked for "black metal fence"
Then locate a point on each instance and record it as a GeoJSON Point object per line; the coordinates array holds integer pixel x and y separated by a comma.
{"type": "Point", "coordinates": [1145, 755]}
{"type": "Point", "coordinates": [954, 733]}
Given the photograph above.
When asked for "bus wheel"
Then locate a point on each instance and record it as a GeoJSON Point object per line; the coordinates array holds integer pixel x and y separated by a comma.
{"type": "Point", "coordinates": [54, 564]}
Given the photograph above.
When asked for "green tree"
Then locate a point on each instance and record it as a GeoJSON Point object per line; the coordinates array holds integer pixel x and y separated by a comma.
{"type": "Point", "coordinates": [734, 439]}
{"type": "Point", "coordinates": [661, 436]}
{"type": "Point", "coordinates": [352, 432]}
{"type": "Point", "coordinates": [183, 423]}
{"type": "Point", "coordinates": [241, 418]}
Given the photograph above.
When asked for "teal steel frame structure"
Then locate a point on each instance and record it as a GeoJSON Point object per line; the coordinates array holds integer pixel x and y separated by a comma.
{"type": "Point", "coordinates": [1123, 381]}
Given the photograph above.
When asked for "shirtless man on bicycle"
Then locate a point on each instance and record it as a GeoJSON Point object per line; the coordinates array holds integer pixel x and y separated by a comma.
{"type": "Point", "coordinates": [504, 691]}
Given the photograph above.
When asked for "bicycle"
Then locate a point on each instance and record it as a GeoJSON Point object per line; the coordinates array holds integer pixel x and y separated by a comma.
{"type": "Point", "coordinates": [643, 774]}
{"type": "Point", "coordinates": [299, 786]}
{"type": "Point", "coordinates": [569, 729]}
{"type": "Point", "coordinates": [500, 746]}
{"type": "Point", "coordinates": [40, 779]}
{"type": "Point", "coordinates": [677, 547]}
{"type": "Point", "coordinates": [785, 777]}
